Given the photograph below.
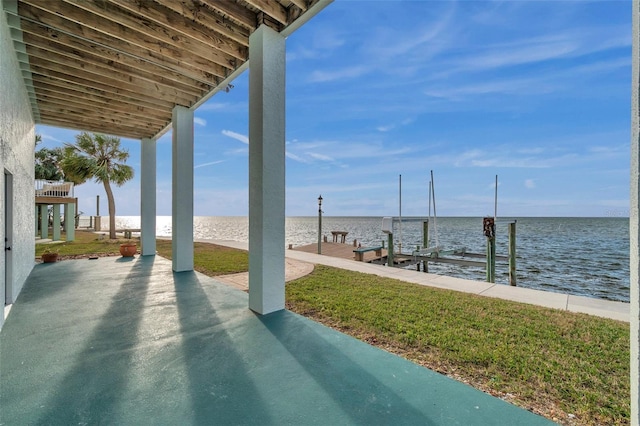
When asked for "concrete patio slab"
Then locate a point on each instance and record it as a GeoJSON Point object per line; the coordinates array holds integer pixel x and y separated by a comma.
{"type": "Point", "coordinates": [116, 341]}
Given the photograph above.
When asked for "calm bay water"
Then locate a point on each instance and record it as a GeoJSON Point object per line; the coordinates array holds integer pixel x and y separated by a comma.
{"type": "Point", "coordinates": [582, 256]}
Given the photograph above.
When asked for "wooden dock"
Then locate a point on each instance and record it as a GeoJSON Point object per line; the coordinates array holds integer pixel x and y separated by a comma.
{"type": "Point", "coordinates": [343, 251]}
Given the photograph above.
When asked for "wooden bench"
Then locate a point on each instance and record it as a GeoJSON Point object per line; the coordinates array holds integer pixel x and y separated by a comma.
{"type": "Point", "coordinates": [127, 232]}
{"type": "Point", "coordinates": [362, 250]}
{"type": "Point", "coordinates": [341, 234]}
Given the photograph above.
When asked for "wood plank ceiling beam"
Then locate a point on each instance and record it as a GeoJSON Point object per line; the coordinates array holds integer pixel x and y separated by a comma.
{"type": "Point", "coordinates": [113, 87]}
{"type": "Point", "coordinates": [95, 95]}
{"type": "Point", "coordinates": [80, 102]}
{"type": "Point", "coordinates": [103, 124]}
{"type": "Point", "coordinates": [301, 4]}
{"type": "Point", "coordinates": [173, 21]}
{"type": "Point", "coordinates": [60, 54]}
{"type": "Point", "coordinates": [106, 128]}
{"type": "Point", "coordinates": [169, 58]}
{"type": "Point", "coordinates": [97, 112]}
{"type": "Point", "coordinates": [38, 35]}
{"type": "Point", "coordinates": [210, 19]}
{"type": "Point", "coordinates": [145, 32]}
{"type": "Point", "coordinates": [73, 68]}
{"type": "Point", "coordinates": [233, 11]}
{"type": "Point", "coordinates": [271, 8]}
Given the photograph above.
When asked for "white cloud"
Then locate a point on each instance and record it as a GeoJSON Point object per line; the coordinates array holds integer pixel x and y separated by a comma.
{"type": "Point", "coordinates": [295, 157]}
{"type": "Point", "coordinates": [343, 74]}
{"type": "Point", "coordinates": [237, 136]}
{"type": "Point", "coordinates": [47, 137]}
{"type": "Point", "coordinates": [208, 164]}
{"type": "Point", "coordinates": [200, 121]}
{"type": "Point", "coordinates": [529, 183]}
{"type": "Point", "coordinates": [321, 157]}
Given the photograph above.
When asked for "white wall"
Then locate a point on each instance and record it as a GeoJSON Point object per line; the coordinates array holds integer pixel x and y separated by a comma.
{"type": "Point", "coordinates": [17, 134]}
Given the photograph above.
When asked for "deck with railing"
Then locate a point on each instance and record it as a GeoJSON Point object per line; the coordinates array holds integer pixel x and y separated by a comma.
{"type": "Point", "coordinates": [48, 189]}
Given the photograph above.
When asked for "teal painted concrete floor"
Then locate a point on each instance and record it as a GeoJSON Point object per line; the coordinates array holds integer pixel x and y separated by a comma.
{"type": "Point", "coordinates": [112, 341]}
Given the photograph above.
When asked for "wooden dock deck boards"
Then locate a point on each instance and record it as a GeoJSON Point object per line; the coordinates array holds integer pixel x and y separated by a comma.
{"type": "Point", "coordinates": [343, 251]}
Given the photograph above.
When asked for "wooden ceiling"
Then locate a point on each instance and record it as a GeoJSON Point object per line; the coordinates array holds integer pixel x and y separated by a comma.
{"type": "Point", "coordinates": [120, 66]}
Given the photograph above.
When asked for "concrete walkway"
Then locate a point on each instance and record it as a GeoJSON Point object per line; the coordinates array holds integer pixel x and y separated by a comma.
{"type": "Point", "coordinates": [598, 307]}
{"type": "Point", "coordinates": [128, 342]}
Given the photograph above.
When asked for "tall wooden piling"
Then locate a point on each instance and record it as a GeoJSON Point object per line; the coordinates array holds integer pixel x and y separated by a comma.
{"type": "Point", "coordinates": [489, 230]}
{"type": "Point", "coordinates": [512, 254]}
{"type": "Point", "coordinates": [425, 233]}
{"type": "Point", "coordinates": [390, 250]}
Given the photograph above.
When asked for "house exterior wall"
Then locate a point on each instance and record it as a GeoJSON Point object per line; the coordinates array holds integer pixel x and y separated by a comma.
{"type": "Point", "coordinates": [17, 136]}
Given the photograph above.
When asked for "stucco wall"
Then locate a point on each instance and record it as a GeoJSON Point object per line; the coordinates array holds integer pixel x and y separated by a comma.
{"type": "Point", "coordinates": [17, 134]}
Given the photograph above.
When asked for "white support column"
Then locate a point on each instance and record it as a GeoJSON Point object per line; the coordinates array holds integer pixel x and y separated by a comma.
{"type": "Point", "coordinates": [634, 218]}
{"type": "Point", "coordinates": [44, 221]}
{"type": "Point", "coordinates": [148, 197]}
{"type": "Point", "coordinates": [182, 188]}
{"type": "Point", "coordinates": [266, 170]}
{"type": "Point", "coordinates": [70, 221]}
{"type": "Point", "coordinates": [56, 222]}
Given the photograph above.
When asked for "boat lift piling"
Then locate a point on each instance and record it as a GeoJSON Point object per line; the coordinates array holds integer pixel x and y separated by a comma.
{"type": "Point", "coordinates": [512, 254]}
{"type": "Point", "coordinates": [489, 229]}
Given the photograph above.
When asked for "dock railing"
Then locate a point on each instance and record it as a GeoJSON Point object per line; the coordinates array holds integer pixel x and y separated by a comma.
{"type": "Point", "coordinates": [51, 188]}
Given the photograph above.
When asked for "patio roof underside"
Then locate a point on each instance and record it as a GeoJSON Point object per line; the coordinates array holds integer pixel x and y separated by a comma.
{"type": "Point", "coordinates": [120, 66]}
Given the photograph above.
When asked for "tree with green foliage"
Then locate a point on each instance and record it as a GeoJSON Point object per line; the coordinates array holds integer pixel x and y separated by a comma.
{"type": "Point", "coordinates": [99, 157]}
{"type": "Point", "coordinates": [47, 162]}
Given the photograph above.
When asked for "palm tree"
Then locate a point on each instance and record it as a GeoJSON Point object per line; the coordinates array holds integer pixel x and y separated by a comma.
{"type": "Point", "coordinates": [99, 157]}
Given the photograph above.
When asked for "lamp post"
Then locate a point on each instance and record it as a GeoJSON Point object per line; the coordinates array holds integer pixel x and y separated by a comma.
{"type": "Point", "coordinates": [320, 224]}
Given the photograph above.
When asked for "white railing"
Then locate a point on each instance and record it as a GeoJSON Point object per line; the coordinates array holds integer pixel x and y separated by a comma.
{"type": "Point", "coordinates": [51, 188]}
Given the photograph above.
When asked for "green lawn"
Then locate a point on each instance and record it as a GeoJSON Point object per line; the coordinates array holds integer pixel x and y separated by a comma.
{"type": "Point", "coordinates": [553, 362]}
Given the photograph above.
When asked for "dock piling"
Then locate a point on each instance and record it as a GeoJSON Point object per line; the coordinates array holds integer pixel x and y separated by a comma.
{"type": "Point", "coordinates": [489, 229]}
{"type": "Point", "coordinates": [390, 250]}
{"type": "Point", "coordinates": [512, 254]}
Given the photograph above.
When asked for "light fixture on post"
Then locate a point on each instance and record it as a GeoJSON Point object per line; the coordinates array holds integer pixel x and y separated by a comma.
{"type": "Point", "coordinates": [320, 224]}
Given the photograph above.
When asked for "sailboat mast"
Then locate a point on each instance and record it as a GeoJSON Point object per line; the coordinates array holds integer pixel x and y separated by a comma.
{"type": "Point", "coordinates": [429, 219]}
{"type": "Point", "coordinates": [495, 202]}
{"type": "Point", "coordinates": [435, 215]}
{"type": "Point", "coordinates": [400, 212]}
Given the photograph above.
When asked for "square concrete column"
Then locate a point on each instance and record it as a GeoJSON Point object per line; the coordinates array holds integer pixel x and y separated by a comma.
{"type": "Point", "coordinates": [56, 222]}
{"type": "Point", "coordinates": [148, 197]}
{"type": "Point", "coordinates": [44, 221]}
{"type": "Point", "coordinates": [634, 218]}
{"type": "Point", "coordinates": [70, 221]}
{"type": "Point", "coordinates": [182, 189]}
{"type": "Point", "coordinates": [266, 170]}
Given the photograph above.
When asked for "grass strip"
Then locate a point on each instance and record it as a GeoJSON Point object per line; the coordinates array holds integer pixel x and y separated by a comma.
{"type": "Point", "coordinates": [554, 362]}
{"type": "Point", "coordinates": [210, 259]}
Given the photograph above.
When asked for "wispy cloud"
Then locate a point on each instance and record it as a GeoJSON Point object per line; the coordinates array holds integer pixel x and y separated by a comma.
{"type": "Point", "coordinates": [208, 164]}
{"type": "Point", "coordinates": [237, 136]}
{"type": "Point", "coordinates": [50, 138]}
{"type": "Point", "coordinates": [529, 183]}
{"type": "Point", "coordinates": [226, 107]}
{"type": "Point", "coordinates": [321, 76]}
{"type": "Point", "coordinates": [200, 121]}
{"type": "Point", "coordinates": [385, 128]}
{"type": "Point", "coordinates": [320, 157]}
{"type": "Point", "coordinates": [295, 157]}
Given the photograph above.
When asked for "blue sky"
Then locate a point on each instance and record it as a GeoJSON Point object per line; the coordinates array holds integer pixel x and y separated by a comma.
{"type": "Point", "coordinates": [537, 93]}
